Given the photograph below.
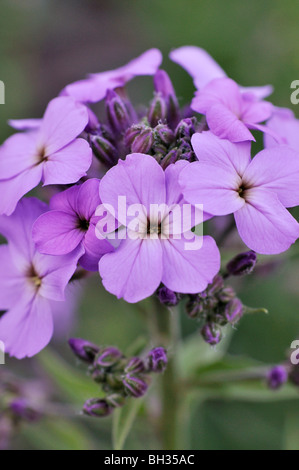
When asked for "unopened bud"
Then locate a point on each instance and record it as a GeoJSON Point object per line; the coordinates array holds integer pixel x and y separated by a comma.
{"type": "Point", "coordinates": [97, 407]}
{"type": "Point", "coordinates": [233, 310]}
{"type": "Point", "coordinates": [135, 386]}
{"type": "Point", "coordinates": [158, 110]}
{"type": "Point", "coordinates": [135, 366]}
{"type": "Point", "coordinates": [157, 360]}
{"type": "Point", "coordinates": [167, 296]}
{"type": "Point", "coordinates": [117, 112]}
{"type": "Point", "coordinates": [241, 264]}
{"type": "Point", "coordinates": [103, 149]}
{"type": "Point", "coordinates": [277, 377]}
{"type": "Point", "coordinates": [108, 357]}
{"type": "Point", "coordinates": [211, 333]}
{"type": "Point", "coordinates": [83, 349]}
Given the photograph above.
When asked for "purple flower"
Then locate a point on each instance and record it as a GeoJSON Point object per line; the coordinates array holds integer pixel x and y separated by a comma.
{"type": "Point", "coordinates": [229, 113]}
{"type": "Point", "coordinates": [95, 87]}
{"type": "Point", "coordinates": [50, 153]}
{"type": "Point", "coordinates": [277, 377]}
{"type": "Point", "coordinates": [149, 255]}
{"type": "Point", "coordinates": [284, 124]}
{"type": "Point", "coordinates": [31, 283]}
{"type": "Point", "coordinates": [203, 69]}
{"type": "Point", "coordinates": [71, 223]}
{"type": "Point", "coordinates": [225, 180]}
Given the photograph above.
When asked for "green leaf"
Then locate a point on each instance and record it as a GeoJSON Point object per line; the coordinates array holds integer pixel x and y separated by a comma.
{"type": "Point", "coordinates": [57, 434]}
{"type": "Point", "coordinates": [75, 385]}
{"type": "Point", "coordinates": [123, 420]}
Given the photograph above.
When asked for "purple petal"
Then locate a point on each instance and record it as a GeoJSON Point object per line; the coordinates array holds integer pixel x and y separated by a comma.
{"type": "Point", "coordinates": [213, 186]}
{"type": "Point", "coordinates": [13, 189]}
{"type": "Point", "coordinates": [11, 280]}
{"type": "Point", "coordinates": [283, 123]}
{"type": "Point", "coordinates": [277, 169]}
{"type": "Point", "coordinates": [220, 91]}
{"type": "Point", "coordinates": [56, 271]}
{"type": "Point", "coordinates": [226, 125]}
{"type": "Point", "coordinates": [257, 111]}
{"type": "Point", "coordinates": [198, 63]}
{"type": "Point", "coordinates": [264, 224]}
{"type": "Point", "coordinates": [69, 164]}
{"type": "Point", "coordinates": [94, 250]}
{"type": "Point", "coordinates": [17, 154]}
{"type": "Point", "coordinates": [27, 328]}
{"type": "Point", "coordinates": [57, 233]}
{"type": "Point", "coordinates": [259, 92]}
{"type": "Point", "coordinates": [210, 149]}
{"type": "Point", "coordinates": [95, 88]}
{"type": "Point", "coordinates": [25, 124]}
{"type": "Point", "coordinates": [189, 271]}
{"type": "Point", "coordinates": [139, 178]}
{"type": "Point", "coordinates": [65, 201]}
{"type": "Point", "coordinates": [88, 198]}
{"type": "Point", "coordinates": [63, 121]}
{"type": "Point", "coordinates": [134, 270]}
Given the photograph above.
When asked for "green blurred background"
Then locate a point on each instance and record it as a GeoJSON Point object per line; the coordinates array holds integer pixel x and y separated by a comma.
{"type": "Point", "coordinates": [46, 44]}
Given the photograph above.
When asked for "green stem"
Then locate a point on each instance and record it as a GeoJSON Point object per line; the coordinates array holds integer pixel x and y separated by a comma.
{"type": "Point", "coordinates": [166, 326]}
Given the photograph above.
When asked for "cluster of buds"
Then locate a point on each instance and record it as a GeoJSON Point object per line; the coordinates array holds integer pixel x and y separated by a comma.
{"type": "Point", "coordinates": [214, 308]}
{"type": "Point", "coordinates": [162, 130]}
{"type": "Point", "coordinates": [120, 377]}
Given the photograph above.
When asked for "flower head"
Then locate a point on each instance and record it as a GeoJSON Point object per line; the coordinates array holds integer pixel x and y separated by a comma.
{"type": "Point", "coordinates": [31, 283]}
{"type": "Point", "coordinates": [153, 250]}
{"type": "Point", "coordinates": [50, 153]}
{"type": "Point", "coordinates": [70, 223]}
{"type": "Point", "coordinates": [225, 180]}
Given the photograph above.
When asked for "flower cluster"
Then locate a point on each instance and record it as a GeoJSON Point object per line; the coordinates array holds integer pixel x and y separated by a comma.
{"type": "Point", "coordinates": [120, 377]}
{"type": "Point", "coordinates": [130, 193]}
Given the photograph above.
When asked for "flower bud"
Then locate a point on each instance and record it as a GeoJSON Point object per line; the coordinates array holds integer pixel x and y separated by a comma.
{"type": "Point", "coordinates": [108, 357]}
{"type": "Point", "coordinates": [233, 310]}
{"type": "Point", "coordinates": [135, 386]}
{"type": "Point", "coordinates": [163, 85]}
{"type": "Point", "coordinates": [215, 285]}
{"type": "Point", "coordinates": [277, 377]}
{"type": "Point", "coordinates": [171, 157]}
{"type": "Point", "coordinates": [164, 134]}
{"type": "Point", "coordinates": [97, 407]}
{"type": "Point", "coordinates": [83, 349]}
{"type": "Point", "coordinates": [144, 141]}
{"type": "Point", "coordinates": [211, 333]}
{"type": "Point", "coordinates": [117, 112]}
{"type": "Point", "coordinates": [135, 366]}
{"type": "Point", "coordinates": [241, 264]}
{"type": "Point", "coordinates": [157, 360]}
{"type": "Point", "coordinates": [157, 110]}
{"type": "Point", "coordinates": [226, 294]}
{"type": "Point", "coordinates": [103, 149]}
{"type": "Point", "coordinates": [167, 296]}
{"type": "Point", "coordinates": [194, 308]}
{"type": "Point", "coordinates": [186, 128]}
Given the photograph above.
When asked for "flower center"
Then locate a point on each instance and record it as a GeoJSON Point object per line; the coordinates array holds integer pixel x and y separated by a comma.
{"type": "Point", "coordinates": [83, 224]}
{"type": "Point", "coordinates": [153, 228]}
{"type": "Point", "coordinates": [33, 277]}
{"type": "Point", "coordinates": [41, 155]}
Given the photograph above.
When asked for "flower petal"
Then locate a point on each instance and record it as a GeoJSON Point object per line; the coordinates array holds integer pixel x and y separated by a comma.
{"type": "Point", "coordinates": [198, 63]}
{"type": "Point", "coordinates": [27, 328]}
{"type": "Point", "coordinates": [94, 250]}
{"type": "Point", "coordinates": [210, 149]}
{"type": "Point", "coordinates": [14, 188]}
{"type": "Point", "coordinates": [189, 271]}
{"type": "Point", "coordinates": [17, 154]}
{"type": "Point", "coordinates": [63, 121]}
{"type": "Point", "coordinates": [11, 280]}
{"type": "Point", "coordinates": [134, 270]}
{"type": "Point", "coordinates": [57, 233]}
{"type": "Point", "coordinates": [277, 169]}
{"type": "Point", "coordinates": [139, 178]}
{"type": "Point", "coordinates": [226, 125]}
{"type": "Point", "coordinates": [69, 164]}
{"type": "Point", "coordinates": [264, 224]}
{"type": "Point", "coordinates": [88, 198]}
